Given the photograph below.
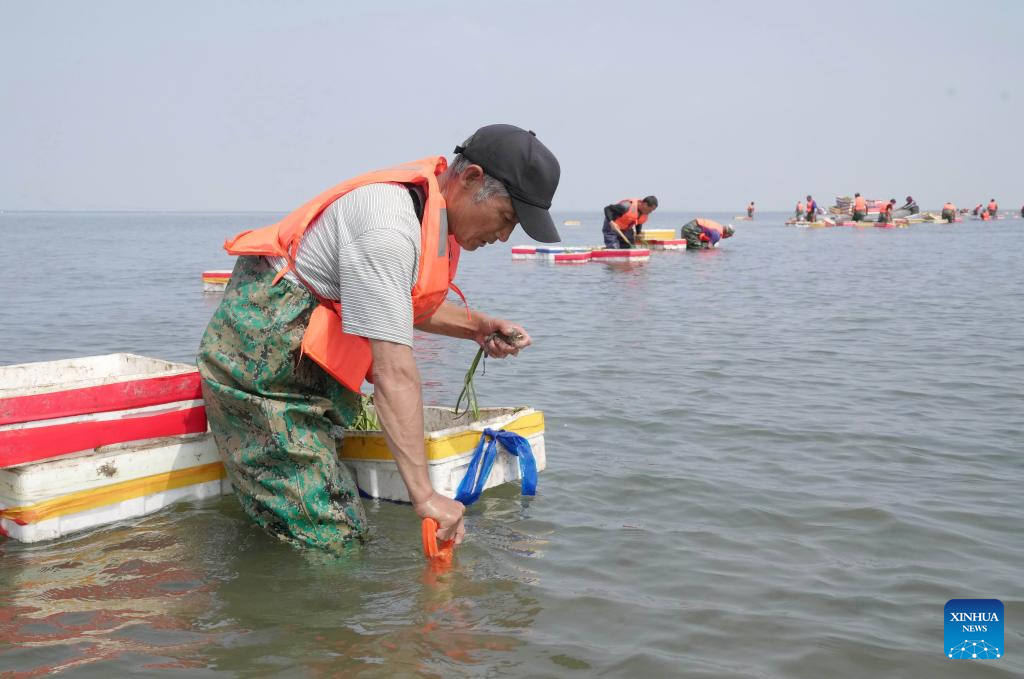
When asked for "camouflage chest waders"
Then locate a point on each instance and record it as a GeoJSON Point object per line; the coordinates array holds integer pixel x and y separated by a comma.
{"type": "Point", "coordinates": [691, 232]}
{"type": "Point", "coordinates": [271, 413]}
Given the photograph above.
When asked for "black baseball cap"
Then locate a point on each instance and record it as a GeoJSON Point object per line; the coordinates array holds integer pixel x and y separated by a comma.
{"type": "Point", "coordinates": [526, 167]}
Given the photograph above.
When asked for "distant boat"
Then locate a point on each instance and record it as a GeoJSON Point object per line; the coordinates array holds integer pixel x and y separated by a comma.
{"type": "Point", "coordinates": [571, 222]}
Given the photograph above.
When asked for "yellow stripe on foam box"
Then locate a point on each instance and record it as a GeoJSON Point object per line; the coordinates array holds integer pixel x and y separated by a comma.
{"type": "Point", "coordinates": [375, 448]}
{"type": "Point", "coordinates": [83, 500]}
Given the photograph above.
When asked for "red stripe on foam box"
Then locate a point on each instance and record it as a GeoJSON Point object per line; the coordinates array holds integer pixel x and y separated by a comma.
{"type": "Point", "coordinates": [635, 252]}
{"type": "Point", "coordinates": [33, 444]}
{"type": "Point", "coordinates": [102, 398]}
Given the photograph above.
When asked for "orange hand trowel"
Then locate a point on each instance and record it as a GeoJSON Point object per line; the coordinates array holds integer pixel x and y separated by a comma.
{"type": "Point", "coordinates": [440, 556]}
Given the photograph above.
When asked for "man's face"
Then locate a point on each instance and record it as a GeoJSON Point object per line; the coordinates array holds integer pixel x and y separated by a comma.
{"type": "Point", "coordinates": [475, 224]}
{"type": "Point", "coordinates": [645, 208]}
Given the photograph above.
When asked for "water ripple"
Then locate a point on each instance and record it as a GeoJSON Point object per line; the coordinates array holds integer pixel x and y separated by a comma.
{"type": "Point", "coordinates": [780, 458]}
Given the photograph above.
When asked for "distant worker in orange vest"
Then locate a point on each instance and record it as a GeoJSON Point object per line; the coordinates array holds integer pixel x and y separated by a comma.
{"type": "Point", "coordinates": [993, 208]}
{"type": "Point", "coordinates": [984, 216]}
{"type": "Point", "coordinates": [328, 297]}
{"type": "Point", "coordinates": [703, 233]}
{"type": "Point", "coordinates": [885, 215]}
{"type": "Point", "coordinates": [750, 210]}
{"type": "Point", "coordinates": [812, 209]}
{"type": "Point", "coordinates": [949, 212]}
{"type": "Point", "coordinates": [860, 208]}
{"type": "Point", "coordinates": [623, 221]}
{"type": "Point", "coordinates": [799, 210]}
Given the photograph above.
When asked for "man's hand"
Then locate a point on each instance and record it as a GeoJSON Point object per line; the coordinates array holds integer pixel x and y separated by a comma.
{"type": "Point", "coordinates": [501, 338]}
{"type": "Point", "coordinates": [448, 514]}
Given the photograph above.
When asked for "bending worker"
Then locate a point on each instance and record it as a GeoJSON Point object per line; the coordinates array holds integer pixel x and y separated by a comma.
{"type": "Point", "coordinates": [949, 212]}
{"type": "Point", "coordinates": [704, 233]}
{"type": "Point", "coordinates": [885, 213]}
{"type": "Point", "coordinates": [624, 220]}
{"type": "Point", "coordinates": [328, 297]}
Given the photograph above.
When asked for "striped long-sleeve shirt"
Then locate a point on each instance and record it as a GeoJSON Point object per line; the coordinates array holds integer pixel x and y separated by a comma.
{"type": "Point", "coordinates": [363, 250]}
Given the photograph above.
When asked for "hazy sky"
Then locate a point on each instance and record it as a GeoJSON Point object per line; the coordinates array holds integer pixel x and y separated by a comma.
{"type": "Point", "coordinates": [249, 105]}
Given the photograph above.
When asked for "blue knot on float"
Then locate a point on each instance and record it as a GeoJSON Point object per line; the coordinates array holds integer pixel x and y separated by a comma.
{"type": "Point", "coordinates": [483, 459]}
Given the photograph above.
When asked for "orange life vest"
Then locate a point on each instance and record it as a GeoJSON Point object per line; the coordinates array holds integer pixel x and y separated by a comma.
{"type": "Point", "coordinates": [984, 215]}
{"type": "Point", "coordinates": [632, 216]}
{"type": "Point", "coordinates": [859, 205]}
{"type": "Point", "coordinates": [949, 206]}
{"type": "Point", "coordinates": [348, 358]}
{"type": "Point", "coordinates": [992, 207]}
{"type": "Point", "coordinates": [886, 208]}
{"type": "Point", "coordinates": [799, 206]}
{"type": "Point", "coordinates": [710, 225]}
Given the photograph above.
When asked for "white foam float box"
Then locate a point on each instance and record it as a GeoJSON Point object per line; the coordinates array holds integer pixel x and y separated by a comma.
{"type": "Point", "coordinates": [89, 441]}
{"type": "Point", "coordinates": [450, 443]}
{"type": "Point", "coordinates": [648, 235]}
{"type": "Point", "coordinates": [631, 255]}
{"type": "Point", "coordinates": [571, 258]}
{"type": "Point", "coordinates": [116, 437]}
{"type": "Point", "coordinates": [667, 244]}
{"type": "Point", "coordinates": [549, 251]}
{"type": "Point", "coordinates": [62, 407]}
{"type": "Point", "coordinates": [520, 252]}
{"type": "Point", "coordinates": [216, 281]}
{"type": "Point", "coordinates": [50, 499]}
{"type": "Point", "coordinates": [564, 255]}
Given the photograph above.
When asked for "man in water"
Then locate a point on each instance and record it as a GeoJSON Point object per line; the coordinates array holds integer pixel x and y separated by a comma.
{"type": "Point", "coordinates": [623, 221]}
{"type": "Point", "coordinates": [703, 233]}
{"type": "Point", "coordinates": [328, 297]}
{"type": "Point", "coordinates": [860, 208]}
{"type": "Point", "coordinates": [949, 212]}
{"type": "Point", "coordinates": [885, 214]}
{"type": "Point", "coordinates": [812, 209]}
{"type": "Point", "coordinates": [909, 208]}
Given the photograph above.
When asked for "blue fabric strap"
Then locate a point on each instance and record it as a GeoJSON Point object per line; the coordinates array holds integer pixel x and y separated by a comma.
{"type": "Point", "coordinates": [483, 459]}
